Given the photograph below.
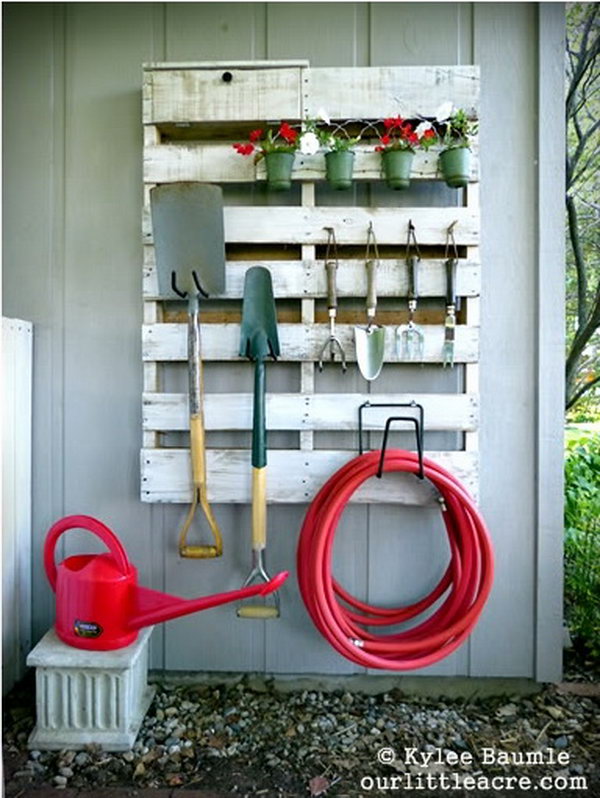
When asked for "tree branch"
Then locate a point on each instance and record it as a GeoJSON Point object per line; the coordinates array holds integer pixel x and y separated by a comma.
{"type": "Point", "coordinates": [582, 286]}
{"type": "Point", "coordinates": [580, 392]}
{"type": "Point", "coordinates": [580, 341]}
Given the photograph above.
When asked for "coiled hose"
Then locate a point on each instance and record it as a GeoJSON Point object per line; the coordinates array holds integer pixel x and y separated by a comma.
{"type": "Point", "coordinates": [467, 581]}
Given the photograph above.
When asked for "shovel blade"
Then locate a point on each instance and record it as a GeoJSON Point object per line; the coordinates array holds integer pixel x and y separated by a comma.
{"type": "Point", "coordinates": [187, 225]}
{"type": "Point", "coordinates": [370, 346]}
{"type": "Point", "coordinates": [258, 334]}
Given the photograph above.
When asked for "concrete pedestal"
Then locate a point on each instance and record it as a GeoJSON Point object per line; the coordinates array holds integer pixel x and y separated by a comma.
{"type": "Point", "coordinates": [85, 697]}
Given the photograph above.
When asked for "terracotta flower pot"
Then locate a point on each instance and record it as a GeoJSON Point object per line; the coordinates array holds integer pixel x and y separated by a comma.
{"type": "Point", "coordinates": [279, 170]}
{"type": "Point", "coordinates": [338, 169]}
{"type": "Point", "coordinates": [455, 165]}
{"type": "Point", "coordinates": [396, 168]}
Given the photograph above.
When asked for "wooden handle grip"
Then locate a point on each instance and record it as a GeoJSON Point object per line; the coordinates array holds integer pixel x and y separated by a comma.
{"type": "Point", "coordinates": [259, 508]}
{"type": "Point", "coordinates": [331, 267]}
{"type": "Point", "coordinates": [371, 266]}
{"type": "Point", "coordinates": [197, 452]}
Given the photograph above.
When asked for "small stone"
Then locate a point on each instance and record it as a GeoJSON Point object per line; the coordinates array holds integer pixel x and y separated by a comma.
{"type": "Point", "coordinates": [66, 772]}
{"type": "Point", "coordinates": [82, 759]}
{"type": "Point", "coordinates": [170, 711]}
{"type": "Point", "coordinates": [561, 742]}
{"type": "Point", "coordinates": [173, 749]}
{"type": "Point", "coordinates": [347, 698]}
{"type": "Point", "coordinates": [129, 756]}
{"type": "Point", "coordinates": [60, 781]}
{"type": "Point", "coordinates": [35, 754]}
{"type": "Point", "coordinates": [160, 715]}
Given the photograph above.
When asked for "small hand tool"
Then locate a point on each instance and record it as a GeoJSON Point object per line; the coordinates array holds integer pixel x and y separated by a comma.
{"type": "Point", "coordinates": [331, 267]}
{"type": "Point", "coordinates": [452, 301]}
{"type": "Point", "coordinates": [370, 340]}
{"type": "Point", "coordinates": [410, 338]}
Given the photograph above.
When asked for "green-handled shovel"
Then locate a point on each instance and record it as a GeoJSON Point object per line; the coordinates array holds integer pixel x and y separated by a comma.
{"type": "Point", "coordinates": [259, 340]}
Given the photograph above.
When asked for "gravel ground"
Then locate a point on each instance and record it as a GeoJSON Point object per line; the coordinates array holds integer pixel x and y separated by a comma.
{"type": "Point", "coordinates": [249, 739]}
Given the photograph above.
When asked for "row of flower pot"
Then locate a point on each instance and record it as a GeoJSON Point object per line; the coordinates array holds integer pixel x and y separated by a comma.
{"type": "Point", "coordinates": [399, 139]}
{"type": "Point", "coordinates": [454, 165]}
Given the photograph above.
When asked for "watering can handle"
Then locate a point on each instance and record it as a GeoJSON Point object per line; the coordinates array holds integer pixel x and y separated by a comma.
{"type": "Point", "coordinates": [91, 525]}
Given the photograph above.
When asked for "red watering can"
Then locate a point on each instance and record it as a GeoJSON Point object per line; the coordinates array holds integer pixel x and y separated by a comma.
{"type": "Point", "coordinates": [99, 604]}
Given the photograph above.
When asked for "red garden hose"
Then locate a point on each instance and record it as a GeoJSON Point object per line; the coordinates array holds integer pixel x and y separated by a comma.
{"type": "Point", "coordinates": [467, 581]}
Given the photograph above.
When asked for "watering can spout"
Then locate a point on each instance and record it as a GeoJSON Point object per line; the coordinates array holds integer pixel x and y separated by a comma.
{"type": "Point", "coordinates": [151, 606]}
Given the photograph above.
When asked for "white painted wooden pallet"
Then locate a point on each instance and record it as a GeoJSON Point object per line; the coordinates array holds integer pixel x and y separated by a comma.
{"type": "Point", "coordinates": [192, 115]}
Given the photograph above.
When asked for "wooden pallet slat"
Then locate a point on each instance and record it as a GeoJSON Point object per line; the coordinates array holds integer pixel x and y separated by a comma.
{"type": "Point", "coordinates": [296, 279]}
{"type": "Point", "coordinates": [376, 92]}
{"type": "Point", "coordinates": [203, 95]}
{"type": "Point", "coordinates": [316, 412]}
{"type": "Point", "coordinates": [304, 225]}
{"type": "Point", "coordinates": [298, 342]}
{"type": "Point", "coordinates": [219, 162]}
{"type": "Point", "coordinates": [166, 476]}
{"type": "Point", "coordinates": [200, 95]}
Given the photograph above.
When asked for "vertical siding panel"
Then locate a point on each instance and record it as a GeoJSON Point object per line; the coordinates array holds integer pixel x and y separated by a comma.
{"type": "Point", "coordinates": [106, 46]}
{"type": "Point", "coordinates": [33, 144]}
{"type": "Point", "coordinates": [327, 34]}
{"type": "Point", "coordinates": [415, 34]}
{"type": "Point", "coordinates": [502, 644]}
{"type": "Point", "coordinates": [551, 347]}
{"type": "Point", "coordinates": [407, 546]}
{"type": "Point", "coordinates": [215, 640]}
{"type": "Point", "coordinates": [215, 31]}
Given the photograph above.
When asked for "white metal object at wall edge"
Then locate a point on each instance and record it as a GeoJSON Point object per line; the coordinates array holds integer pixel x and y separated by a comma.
{"type": "Point", "coordinates": [17, 371]}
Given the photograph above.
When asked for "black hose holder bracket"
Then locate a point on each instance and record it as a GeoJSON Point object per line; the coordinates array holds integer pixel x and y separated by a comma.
{"type": "Point", "coordinates": [418, 422]}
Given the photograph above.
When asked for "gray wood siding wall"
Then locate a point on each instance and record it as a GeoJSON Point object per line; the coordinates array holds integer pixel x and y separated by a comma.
{"type": "Point", "coordinates": [72, 265]}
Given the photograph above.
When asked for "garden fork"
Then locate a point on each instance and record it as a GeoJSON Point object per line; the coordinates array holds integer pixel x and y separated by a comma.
{"type": "Point", "coordinates": [331, 266]}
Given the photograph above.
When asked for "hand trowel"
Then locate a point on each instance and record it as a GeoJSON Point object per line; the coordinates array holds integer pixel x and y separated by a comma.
{"type": "Point", "coordinates": [370, 340]}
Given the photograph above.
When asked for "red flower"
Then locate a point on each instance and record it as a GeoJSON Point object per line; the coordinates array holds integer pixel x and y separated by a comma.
{"type": "Point", "coordinates": [288, 133]}
{"type": "Point", "coordinates": [255, 134]}
{"type": "Point", "coordinates": [386, 140]}
{"type": "Point", "coordinates": [413, 138]}
{"type": "Point", "coordinates": [429, 134]}
{"type": "Point", "coordinates": [406, 130]}
{"type": "Point", "coordinates": [244, 149]}
{"type": "Point", "coordinates": [392, 122]}
{"type": "Point", "coordinates": [379, 149]}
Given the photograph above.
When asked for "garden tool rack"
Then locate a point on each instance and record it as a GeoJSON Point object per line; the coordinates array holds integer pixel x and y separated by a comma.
{"type": "Point", "coordinates": [193, 113]}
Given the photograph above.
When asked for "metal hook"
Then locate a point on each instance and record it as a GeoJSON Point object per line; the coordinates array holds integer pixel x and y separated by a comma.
{"type": "Point", "coordinates": [182, 294]}
{"type": "Point", "coordinates": [450, 238]}
{"type": "Point", "coordinates": [411, 235]}
{"type": "Point", "coordinates": [197, 284]}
